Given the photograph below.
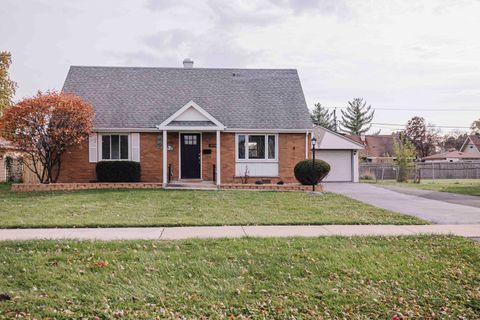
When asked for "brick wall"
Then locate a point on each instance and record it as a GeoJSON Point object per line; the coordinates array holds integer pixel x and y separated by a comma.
{"type": "Point", "coordinates": [291, 150]}
{"type": "Point", "coordinates": [75, 165]}
{"type": "Point", "coordinates": [151, 160]}
{"type": "Point", "coordinates": [227, 158]}
{"type": "Point", "coordinates": [76, 168]}
{"type": "Point", "coordinates": [208, 160]}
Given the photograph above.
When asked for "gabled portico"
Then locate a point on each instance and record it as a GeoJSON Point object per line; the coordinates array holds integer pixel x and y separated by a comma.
{"type": "Point", "coordinates": [191, 121]}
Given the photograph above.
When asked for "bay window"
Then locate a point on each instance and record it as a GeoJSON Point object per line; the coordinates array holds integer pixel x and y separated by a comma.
{"type": "Point", "coordinates": [256, 146]}
{"type": "Point", "coordinates": [115, 147]}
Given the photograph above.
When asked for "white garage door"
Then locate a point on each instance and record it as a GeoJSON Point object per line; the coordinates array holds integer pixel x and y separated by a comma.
{"type": "Point", "coordinates": [340, 162]}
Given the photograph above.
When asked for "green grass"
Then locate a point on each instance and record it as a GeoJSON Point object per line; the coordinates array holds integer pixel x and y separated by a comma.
{"type": "Point", "coordinates": [309, 278]}
{"type": "Point", "coordinates": [468, 186]}
{"type": "Point", "coordinates": [110, 208]}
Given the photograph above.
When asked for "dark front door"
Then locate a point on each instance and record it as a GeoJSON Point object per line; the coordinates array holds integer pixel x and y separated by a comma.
{"type": "Point", "coordinates": [190, 155]}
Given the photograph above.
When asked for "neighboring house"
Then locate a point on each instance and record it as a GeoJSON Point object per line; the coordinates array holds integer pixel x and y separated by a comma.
{"type": "Point", "coordinates": [376, 148]}
{"type": "Point", "coordinates": [5, 149]}
{"type": "Point", "coordinates": [192, 123]}
{"type": "Point", "coordinates": [471, 144]}
{"type": "Point", "coordinates": [454, 156]}
{"type": "Point", "coordinates": [3, 168]}
{"type": "Point", "coordinates": [340, 152]}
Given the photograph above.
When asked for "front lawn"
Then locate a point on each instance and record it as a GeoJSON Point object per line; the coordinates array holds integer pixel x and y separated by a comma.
{"type": "Point", "coordinates": [184, 207]}
{"type": "Point", "coordinates": [466, 186]}
{"type": "Point", "coordinates": [297, 278]}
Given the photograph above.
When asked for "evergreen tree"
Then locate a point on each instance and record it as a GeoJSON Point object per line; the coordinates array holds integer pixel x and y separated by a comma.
{"type": "Point", "coordinates": [321, 117]}
{"type": "Point", "coordinates": [357, 118]}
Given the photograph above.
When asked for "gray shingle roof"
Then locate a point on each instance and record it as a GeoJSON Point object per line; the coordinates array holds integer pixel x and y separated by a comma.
{"type": "Point", "coordinates": [129, 97]}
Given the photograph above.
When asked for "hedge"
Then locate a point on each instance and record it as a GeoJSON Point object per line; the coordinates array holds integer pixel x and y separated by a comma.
{"type": "Point", "coordinates": [118, 171]}
{"type": "Point", "coordinates": [308, 174]}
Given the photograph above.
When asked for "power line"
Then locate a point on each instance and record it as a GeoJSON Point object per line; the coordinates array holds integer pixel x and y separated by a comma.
{"type": "Point", "coordinates": [423, 109]}
{"type": "Point", "coordinates": [428, 125]}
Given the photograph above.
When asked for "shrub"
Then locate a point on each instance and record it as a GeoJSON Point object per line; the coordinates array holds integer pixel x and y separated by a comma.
{"type": "Point", "coordinates": [118, 171]}
{"type": "Point", "coordinates": [308, 174]}
{"type": "Point", "coordinates": [368, 175]}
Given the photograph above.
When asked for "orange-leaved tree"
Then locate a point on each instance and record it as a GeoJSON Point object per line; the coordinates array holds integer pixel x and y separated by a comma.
{"type": "Point", "coordinates": [44, 127]}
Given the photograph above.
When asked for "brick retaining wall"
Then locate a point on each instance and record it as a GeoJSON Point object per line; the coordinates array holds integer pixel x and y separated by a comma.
{"type": "Point", "coordinates": [30, 187]}
{"type": "Point", "coordinates": [284, 187]}
{"type": "Point", "coordinates": [83, 186]}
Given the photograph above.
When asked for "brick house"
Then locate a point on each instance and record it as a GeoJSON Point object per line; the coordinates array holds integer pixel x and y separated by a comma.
{"type": "Point", "coordinates": [471, 144]}
{"type": "Point", "coordinates": [4, 148]}
{"type": "Point", "coordinates": [376, 148]}
{"type": "Point", "coordinates": [192, 124]}
{"type": "Point", "coordinates": [7, 150]}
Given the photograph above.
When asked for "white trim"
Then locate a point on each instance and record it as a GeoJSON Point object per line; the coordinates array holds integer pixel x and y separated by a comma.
{"type": "Point", "coordinates": [180, 128]}
{"type": "Point", "coordinates": [180, 155]}
{"type": "Point", "coordinates": [100, 145]}
{"type": "Point", "coordinates": [355, 171]}
{"type": "Point", "coordinates": [93, 148]}
{"type": "Point", "coordinates": [210, 128]}
{"type": "Point", "coordinates": [266, 147]}
{"type": "Point", "coordinates": [164, 158]}
{"type": "Point", "coordinates": [268, 130]}
{"type": "Point", "coordinates": [465, 142]}
{"type": "Point", "coordinates": [306, 145]}
{"type": "Point", "coordinates": [187, 106]}
{"type": "Point", "coordinates": [257, 169]}
{"type": "Point", "coordinates": [134, 146]}
{"type": "Point", "coordinates": [217, 164]}
{"type": "Point", "coordinates": [124, 130]}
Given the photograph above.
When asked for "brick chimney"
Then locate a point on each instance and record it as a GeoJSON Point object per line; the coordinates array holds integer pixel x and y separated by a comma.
{"type": "Point", "coordinates": [187, 63]}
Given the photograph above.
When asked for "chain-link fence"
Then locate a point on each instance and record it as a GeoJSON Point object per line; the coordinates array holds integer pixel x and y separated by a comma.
{"type": "Point", "coordinates": [422, 170]}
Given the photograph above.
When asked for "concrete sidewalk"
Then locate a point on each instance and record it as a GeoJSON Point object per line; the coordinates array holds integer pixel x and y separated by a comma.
{"type": "Point", "coordinates": [178, 233]}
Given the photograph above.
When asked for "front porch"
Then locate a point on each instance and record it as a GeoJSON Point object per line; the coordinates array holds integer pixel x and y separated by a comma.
{"type": "Point", "coordinates": [197, 153]}
{"type": "Point", "coordinates": [191, 158]}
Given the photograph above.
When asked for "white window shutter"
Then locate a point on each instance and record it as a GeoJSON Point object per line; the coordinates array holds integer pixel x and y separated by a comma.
{"type": "Point", "coordinates": [135, 137]}
{"type": "Point", "coordinates": [92, 148]}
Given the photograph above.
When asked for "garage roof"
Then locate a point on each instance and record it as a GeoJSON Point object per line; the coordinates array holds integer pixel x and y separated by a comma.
{"type": "Point", "coordinates": [330, 140]}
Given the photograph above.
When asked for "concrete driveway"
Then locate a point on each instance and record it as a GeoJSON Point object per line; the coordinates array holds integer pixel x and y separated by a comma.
{"type": "Point", "coordinates": [428, 205]}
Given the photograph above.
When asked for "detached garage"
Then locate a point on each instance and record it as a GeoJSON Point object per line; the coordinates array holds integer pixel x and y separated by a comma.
{"type": "Point", "coordinates": [340, 152]}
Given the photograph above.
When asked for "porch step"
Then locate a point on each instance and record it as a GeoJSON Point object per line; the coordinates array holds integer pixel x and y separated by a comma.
{"type": "Point", "coordinates": [203, 185]}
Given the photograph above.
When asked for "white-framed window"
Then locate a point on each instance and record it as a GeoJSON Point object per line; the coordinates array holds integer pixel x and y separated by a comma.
{"type": "Point", "coordinates": [256, 147]}
{"type": "Point", "coordinates": [115, 147]}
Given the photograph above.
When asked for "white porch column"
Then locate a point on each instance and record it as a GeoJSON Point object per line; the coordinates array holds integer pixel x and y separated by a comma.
{"type": "Point", "coordinates": [306, 145]}
{"type": "Point", "coordinates": [355, 171]}
{"type": "Point", "coordinates": [165, 159]}
{"type": "Point", "coordinates": [218, 158]}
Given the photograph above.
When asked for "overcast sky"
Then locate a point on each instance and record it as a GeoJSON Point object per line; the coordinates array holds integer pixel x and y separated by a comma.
{"type": "Point", "coordinates": [395, 54]}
